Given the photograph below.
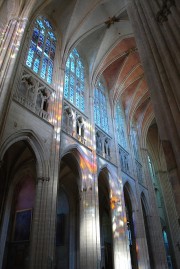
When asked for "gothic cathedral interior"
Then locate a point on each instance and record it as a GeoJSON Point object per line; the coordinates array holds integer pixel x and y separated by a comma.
{"type": "Point", "coordinates": [89, 134]}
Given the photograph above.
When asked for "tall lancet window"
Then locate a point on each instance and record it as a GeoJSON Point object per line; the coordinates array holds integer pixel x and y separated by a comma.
{"type": "Point", "coordinates": [74, 80]}
{"type": "Point", "coordinates": [135, 143]}
{"type": "Point", "coordinates": [121, 126]}
{"type": "Point", "coordinates": [151, 170]}
{"type": "Point", "coordinates": [100, 107]}
{"type": "Point", "coordinates": [41, 52]}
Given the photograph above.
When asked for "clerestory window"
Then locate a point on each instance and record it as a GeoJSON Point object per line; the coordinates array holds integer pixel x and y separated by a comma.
{"type": "Point", "coordinates": [42, 47]}
{"type": "Point", "coordinates": [135, 143]}
{"type": "Point", "coordinates": [74, 80]}
{"type": "Point", "coordinates": [121, 126]}
{"type": "Point", "coordinates": [100, 107]}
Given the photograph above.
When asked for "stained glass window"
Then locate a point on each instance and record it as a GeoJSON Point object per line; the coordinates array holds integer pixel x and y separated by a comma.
{"type": "Point", "coordinates": [121, 126]}
{"type": "Point", "coordinates": [135, 143]}
{"type": "Point", "coordinates": [41, 52]}
{"type": "Point", "coordinates": [100, 107]}
{"type": "Point", "coordinates": [74, 80]}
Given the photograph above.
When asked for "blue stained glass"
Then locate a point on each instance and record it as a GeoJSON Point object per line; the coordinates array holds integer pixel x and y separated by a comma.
{"type": "Point", "coordinates": [72, 80]}
{"type": "Point", "coordinates": [42, 49]}
{"type": "Point", "coordinates": [36, 65]}
{"type": "Point", "coordinates": [71, 94]}
{"type": "Point", "coordinates": [82, 75]}
{"type": "Point", "coordinates": [35, 35]}
{"type": "Point", "coordinates": [52, 36]}
{"type": "Point", "coordinates": [74, 87]}
{"type": "Point", "coordinates": [68, 63]}
{"type": "Point", "coordinates": [40, 23]}
{"type": "Point", "coordinates": [47, 23]}
{"type": "Point", "coordinates": [47, 47]}
{"type": "Point", "coordinates": [77, 72]}
{"type": "Point", "coordinates": [50, 72]}
{"type": "Point", "coordinates": [52, 52]}
{"type": "Point", "coordinates": [30, 56]}
{"type": "Point", "coordinates": [44, 67]}
{"type": "Point", "coordinates": [95, 113]}
{"type": "Point", "coordinates": [100, 107]}
{"type": "Point", "coordinates": [39, 52]}
{"type": "Point", "coordinates": [72, 66]}
{"type": "Point", "coordinates": [82, 103]}
{"type": "Point", "coordinates": [121, 126]}
{"type": "Point", "coordinates": [66, 86]}
{"type": "Point", "coordinates": [41, 41]}
{"type": "Point", "coordinates": [77, 99]}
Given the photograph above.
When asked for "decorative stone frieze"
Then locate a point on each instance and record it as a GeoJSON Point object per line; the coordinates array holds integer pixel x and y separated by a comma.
{"type": "Point", "coordinates": [34, 94]}
{"type": "Point", "coordinates": [74, 122]}
{"type": "Point", "coordinates": [103, 143]}
{"type": "Point", "coordinates": [124, 160]}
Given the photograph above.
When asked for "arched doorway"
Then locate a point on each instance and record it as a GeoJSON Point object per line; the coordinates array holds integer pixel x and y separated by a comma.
{"type": "Point", "coordinates": [130, 229]}
{"type": "Point", "coordinates": [105, 222]}
{"type": "Point", "coordinates": [18, 175]}
{"type": "Point", "coordinates": [67, 223]}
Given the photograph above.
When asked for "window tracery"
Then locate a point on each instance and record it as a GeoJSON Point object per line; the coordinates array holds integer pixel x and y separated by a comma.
{"type": "Point", "coordinates": [100, 107]}
{"type": "Point", "coordinates": [135, 143]}
{"type": "Point", "coordinates": [121, 126]}
{"type": "Point", "coordinates": [42, 47]}
{"type": "Point", "coordinates": [74, 80]}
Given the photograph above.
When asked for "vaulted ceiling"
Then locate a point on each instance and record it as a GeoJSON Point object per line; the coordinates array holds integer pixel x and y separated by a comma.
{"type": "Point", "coordinates": [103, 34]}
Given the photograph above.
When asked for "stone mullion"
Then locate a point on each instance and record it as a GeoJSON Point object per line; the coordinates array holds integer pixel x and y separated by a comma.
{"type": "Point", "coordinates": [148, 50]}
{"type": "Point", "coordinates": [170, 211]}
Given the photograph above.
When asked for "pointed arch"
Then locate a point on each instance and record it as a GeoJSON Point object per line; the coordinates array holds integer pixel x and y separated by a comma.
{"type": "Point", "coordinates": [30, 137]}
{"type": "Point", "coordinates": [131, 194]}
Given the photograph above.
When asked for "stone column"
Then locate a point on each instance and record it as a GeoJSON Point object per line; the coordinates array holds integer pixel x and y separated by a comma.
{"type": "Point", "coordinates": [160, 67]}
{"type": "Point", "coordinates": [38, 238]}
{"type": "Point", "coordinates": [10, 45]}
{"type": "Point", "coordinates": [89, 226]}
{"type": "Point", "coordinates": [171, 212]}
{"type": "Point", "coordinates": [9, 53]}
{"type": "Point", "coordinates": [153, 218]}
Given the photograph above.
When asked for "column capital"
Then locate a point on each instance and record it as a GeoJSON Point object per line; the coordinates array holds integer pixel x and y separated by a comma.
{"type": "Point", "coordinates": [43, 179]}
